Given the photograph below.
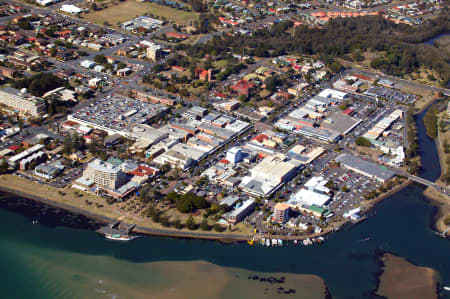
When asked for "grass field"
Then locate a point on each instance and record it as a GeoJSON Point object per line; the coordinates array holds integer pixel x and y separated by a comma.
{"type": "Point", "coordinates": [129, 9]}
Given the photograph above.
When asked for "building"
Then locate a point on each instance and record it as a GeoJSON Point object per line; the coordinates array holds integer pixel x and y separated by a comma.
{"type": "Point", "coordinates": [88, 64]}
{"type": "Point", "coordinates": [243, 87]}
{"type": "Point", "coordinates": [22, 102]}
{"type": "Point", "coordinates": [281, 213]}
{"type": "Point", "coordinates": [72, 9]}
{"type": "Point", "coordinates": [105, 175]}
{"type": "Point", "coordinates": [239, 213]}
{"type": "Point", "coordinates": [234, 155]}
{"type": "Point", "coordinates": [268, 176]}
{"type": "Point", "coordinates": [154, 52]}
{"type": "Point", "coordinates": [364, 167]}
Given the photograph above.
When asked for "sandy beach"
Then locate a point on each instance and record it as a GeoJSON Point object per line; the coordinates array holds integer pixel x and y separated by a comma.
{"type": "Point", "coordinates": [401, 279]}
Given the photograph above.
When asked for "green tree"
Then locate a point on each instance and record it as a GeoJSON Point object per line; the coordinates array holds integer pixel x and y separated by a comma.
{"type": "Point", "coordinates": [100, 59]}
{"type": "Point", "coordinates": [177, 223]}
{"type": "Point", "coordinates": [190, 223]}
{"type": "Point", "coordinates": [67, 145]}
{"type": "Point", "coordinates": [204, 225]}
{"type": "Point", "coordinates": [361, 141]}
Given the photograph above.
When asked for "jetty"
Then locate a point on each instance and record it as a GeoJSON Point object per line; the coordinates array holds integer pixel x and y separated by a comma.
{"type": "Point", "coordinates": [116, 228]}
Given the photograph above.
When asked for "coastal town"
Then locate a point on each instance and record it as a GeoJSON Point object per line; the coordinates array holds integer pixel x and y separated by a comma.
{"type": "Point", "coordinates": [183, 121]}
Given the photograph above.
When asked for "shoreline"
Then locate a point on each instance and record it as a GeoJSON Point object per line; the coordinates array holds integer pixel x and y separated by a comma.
{"type": "Point", "coordinates": [201, 235]}
{"type": "Point", "coordinates": [138, 229]}
{"type": "Point", "coordinates": [441, 211]}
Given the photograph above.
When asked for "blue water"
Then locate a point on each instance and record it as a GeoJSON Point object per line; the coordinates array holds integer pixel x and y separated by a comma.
{"type": "Point", "coordinates": [431, 40]}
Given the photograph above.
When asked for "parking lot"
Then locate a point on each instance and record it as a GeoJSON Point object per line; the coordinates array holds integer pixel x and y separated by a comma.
{"type": "Point", "coordinates": [118, 113]}
{"type": "Point", "coordinates": [391, 94]}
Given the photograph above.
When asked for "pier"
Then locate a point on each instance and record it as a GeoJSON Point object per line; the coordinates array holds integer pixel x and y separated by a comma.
{"type": "Point", "coordinates": [116, 228]}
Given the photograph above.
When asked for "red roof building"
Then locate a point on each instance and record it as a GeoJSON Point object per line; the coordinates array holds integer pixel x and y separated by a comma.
{"type": "Point", "coordinates": [14, 147]}
{"type": "Point", "coordinates": [243, 87]}
{"type": "Point", "coordinates": [348, 111]}
{"type": "Point", "coordinates": [261, 137]}
{"type": "Point", "coordinates": [177, 35]}
{"type": "Point", "coordinates": [143, 170]}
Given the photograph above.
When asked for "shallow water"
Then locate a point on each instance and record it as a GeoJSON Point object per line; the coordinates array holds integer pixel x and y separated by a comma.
{"type": "Point", "coordinates": [51, 261]}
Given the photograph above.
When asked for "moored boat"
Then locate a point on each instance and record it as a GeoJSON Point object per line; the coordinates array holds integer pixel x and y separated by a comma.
{"type": "Point", "coordinates": [119, 237]}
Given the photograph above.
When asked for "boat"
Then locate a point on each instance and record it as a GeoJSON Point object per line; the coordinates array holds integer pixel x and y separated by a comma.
{"type": "Point", "coordinates": [274, 242]}
{"type": "Point", "coordinates": [447, 289]}
{"type": "Point", "coordinates": [267, 242]}
{"type": "Point", "coordinates": [35, 222]}
{"type": "Point", "coordinates": [280, 242]}
{"type": "Point", "coordinates": [119, 237]}
{"type": "Point", "coordinates": [295, 241]}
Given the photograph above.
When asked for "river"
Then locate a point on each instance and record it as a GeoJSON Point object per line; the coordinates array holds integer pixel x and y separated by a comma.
{"type": "Point", "coordinates": [60, 259]}
{"type": "Point", "coordinates": [431, 40]}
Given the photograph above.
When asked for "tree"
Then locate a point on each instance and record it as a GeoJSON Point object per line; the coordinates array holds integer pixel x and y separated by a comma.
{"type": "Point", "coordinates": [3, 167]}
{"type": "Point", "coordinates": [190, 223]}
{"type": "Point", "coordinates": [185, 205]}
{"type": "Point", "coordinates": [204, 225]}
{"type": "Point", "coordinates": [67, 145]}
{"type": "Point", "coordinates": [100, 59]}
{"type": "Point", "coordinates": [361, 141]}
{"type": "Point", "coordinates": [271, 83]}
{"type": "Point", "coordinates": [177, 224]}
{"type": "Point", "coordinates": [94, 6]}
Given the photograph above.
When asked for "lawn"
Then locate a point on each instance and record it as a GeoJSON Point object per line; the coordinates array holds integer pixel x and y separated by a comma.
{"type": "Point", "coordinates": [68, 196]}
{"type": "Point", "coordinates": [124, 11]}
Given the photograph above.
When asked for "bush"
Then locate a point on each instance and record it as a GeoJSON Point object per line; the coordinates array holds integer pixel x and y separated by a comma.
{"type": "Point", "coordinates": [218, 228]}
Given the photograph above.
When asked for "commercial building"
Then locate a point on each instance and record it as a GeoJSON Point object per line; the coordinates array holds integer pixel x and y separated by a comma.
{"type": "Point", "coordinates": [268, 176]}
{"type": "Point", "coordinates": [22, 102]}
{"type": "Point", "coordinates": [105, 175]}
{"type": "Point", "coordinates": [239, 213]}
{"type": "Point", "coordinates": [234, 155]}
{"type": "Point", "coordinates": [281, 213]}
{"type": "Point", "coordinates": [14, 160]}
{"type": "Point", "coordinates": [364, 167]}
{"type": "Point", "coordinates": [154, 52]}
{"type": "Point", "coordinates": [72, 9]}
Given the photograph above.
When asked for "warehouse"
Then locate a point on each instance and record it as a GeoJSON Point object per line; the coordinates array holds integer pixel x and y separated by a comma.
{"type": "Point", "coordinates": [366, 168]}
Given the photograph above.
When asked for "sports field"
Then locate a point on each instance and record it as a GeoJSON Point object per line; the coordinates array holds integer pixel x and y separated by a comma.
{"type": "Point", "coordinates": [124, 11]}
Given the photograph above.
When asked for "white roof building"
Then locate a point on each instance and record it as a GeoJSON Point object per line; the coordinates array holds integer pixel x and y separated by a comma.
{"type": "Point", "coordinates": [72, 9]}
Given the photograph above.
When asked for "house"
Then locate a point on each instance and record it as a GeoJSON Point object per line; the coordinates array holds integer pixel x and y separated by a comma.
{"type": "Point", "coordinates": [243, 87]}
{"type": "Point", "coordinates": [203, 75]}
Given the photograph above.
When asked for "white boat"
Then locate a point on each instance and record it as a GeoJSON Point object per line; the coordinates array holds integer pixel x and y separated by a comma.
{"type": "Point", "coordinates": [305, 242]}
{"type": "Point", "coordinates": [295, 241]}
{"type": "Point", "coordinates": [447, 289]}
{"type": "Point", "coordinates": [280, 242]}
{"type": "Point", "coordinates": [119, 237]}
{"type": "Point", "coordinates": [267, 242]}
{"type": "Point", "coordinates": [274, 242]}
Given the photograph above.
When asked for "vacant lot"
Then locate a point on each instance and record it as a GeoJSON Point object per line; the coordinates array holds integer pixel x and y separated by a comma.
{"type": "Point", "coordinates": [129, 9]}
